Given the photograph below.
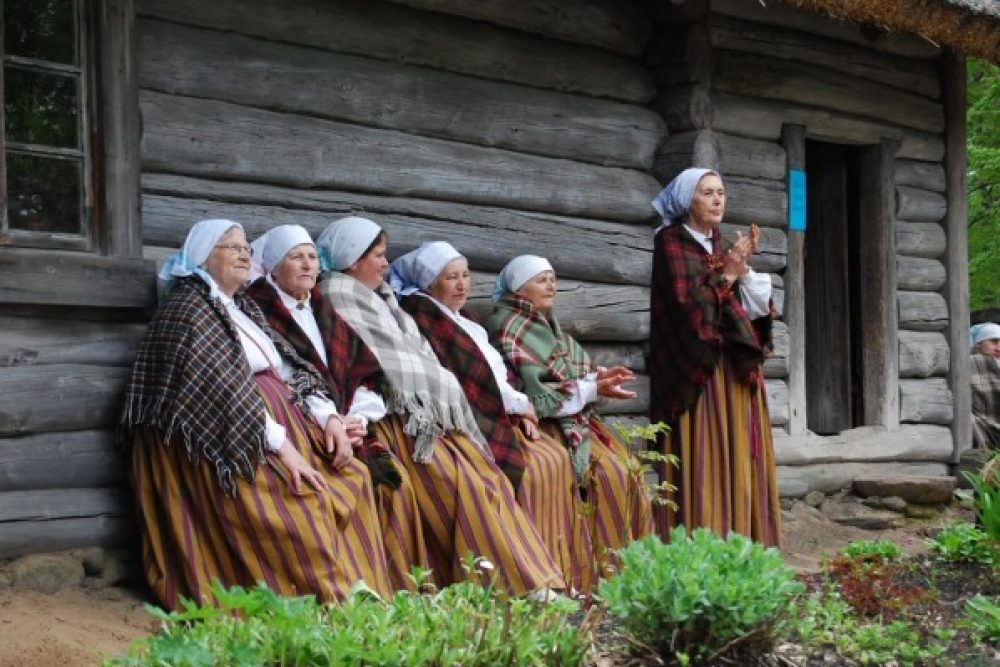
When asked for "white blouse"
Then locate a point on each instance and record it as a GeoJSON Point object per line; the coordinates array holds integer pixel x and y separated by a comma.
{"type": "Point", "coordinates": [755, 288]}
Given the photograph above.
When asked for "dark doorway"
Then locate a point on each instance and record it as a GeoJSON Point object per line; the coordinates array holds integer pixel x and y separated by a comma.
{"type": "Point", "coordinates": [833, 288]}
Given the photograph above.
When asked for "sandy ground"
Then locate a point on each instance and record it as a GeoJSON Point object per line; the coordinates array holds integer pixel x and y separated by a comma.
{"type": "Point", "coordinates": [82, 627]}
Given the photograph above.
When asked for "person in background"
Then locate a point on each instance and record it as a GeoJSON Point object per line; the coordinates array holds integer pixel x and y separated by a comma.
{"type": "Point", "coordinates": [985, 373]}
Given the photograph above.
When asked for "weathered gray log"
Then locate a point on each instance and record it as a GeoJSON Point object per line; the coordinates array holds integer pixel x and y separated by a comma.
{"type": "Point", "coordinates": [919, 77]}
{"type": "Point", "coordinates": [756, 201]}
{"type": "Point", "coordinates": [799, 83]}
{"type": "Point", "coordinates": [53, 278]}
{"type": "Point", "coordinates": [922, 354]}
{"type": "Point", "coordinates": [697, 148]}
{"type": "Point", "coordinates": [631, 406]}
{"type": "Point", "coordinates": [786, 16]}
{"type": "Point", "coordinates": [608, 24]}
{"type": "Point", "coordinates": [730, 154]}
{"type": "Point", "coordinates": [400, 34]}
{"type": "Point", "coordinates": [60, 397]}
{"type": "Point", "coordinates": [50, 504]}
{"type": "Point", "coordinates": [911, 442]}
{"type": "Point", "coordinates": [927, 401]}
{"type": "Point", "coordinates": [203, 63]}
{"type": "Point", "coordinates": [920, 239]}
{"type": "Point", "coordinates": [924, 175]}
{"type": "Point", "coordinates": [776, 365]}
{"type": "Point", "coordinates": [224, 141]}
{"type": "Point", "coordinates": [755, 117]}
{"type": "Point", "coordinates": [920, 274]}
{"type": "Point", "coordinates": [793, 140]}
{"type": "Point", "coordinates": [679, 55]}
{"type": "Point", "coordinates": [685, 107]}
{"type": "Point", "coordinates": [922, 311]}
{"type": "Point", "coordinates": [614, 354]}
{"type": "Point", "coordinates": [919, 205]}
{"type": "Point", "coordinates": [777, 401]}
{"type": "Point", "coordinates": [29, 341]}
{"type": "Point", "coordinates": [797, 481]}
{"type": "Point", "coordinates": [24, 537]}
{"type": "Point", "coordinates": [61, 460]}
{"type": "Point", "coordinates": [607, 252]}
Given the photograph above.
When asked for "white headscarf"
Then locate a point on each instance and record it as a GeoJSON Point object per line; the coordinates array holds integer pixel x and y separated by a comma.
{"type": "Point", "coordinates": [985, 331]}
{"type": "Point", "coordinates": [417, 269]}
{"type": "Point", "coordinates": [270, 248]}
{"type": "Point", "coordinates": [198, 245]}
{"type": "Point", "coordinates": [517, 272]}
{"type": "Point", "coordinates": [344, 241]}
{"type": "Point", "coordinates": [674, 201]}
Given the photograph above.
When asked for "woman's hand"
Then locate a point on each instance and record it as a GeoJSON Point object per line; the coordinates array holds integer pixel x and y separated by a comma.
{"type": "Point", "coordinates": [529, 423]}
{"type": "Point", "coordinates": [337, 441]}
{"type": "Point", "coordinates": [299, 470]}
{"type": "Point", "coordinates": [356, 428]}
{"type": "Point", "coordinates": [734, 262]}
{"type": "Point", "coordinates": [609, 381]}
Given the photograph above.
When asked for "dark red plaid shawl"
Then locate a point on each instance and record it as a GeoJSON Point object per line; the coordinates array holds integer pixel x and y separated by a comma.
{"type": "Point", "coordinates": [459, 353]}
{"type": "Point", "coordinates": [695, 318]}
{"type": "Point", "coordinates": [350, 363]}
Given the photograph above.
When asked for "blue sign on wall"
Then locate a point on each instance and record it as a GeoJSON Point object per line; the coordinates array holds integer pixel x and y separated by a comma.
{"type": "Point", "coordinates": [796, 200]}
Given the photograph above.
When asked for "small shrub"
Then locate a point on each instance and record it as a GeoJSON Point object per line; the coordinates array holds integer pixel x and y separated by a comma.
{"type": "Point", "coordinates": [982, 617]}
{"type": "Point", "coordinates": [700, 595]}
{"type": "Point", "coordinates": [987, 500]}
{"type": "Point", "coordinates": [964, 542]}
{"type": "Point", "coordinates": [879, 551]}
{"type": "Point", "coordinates": [871, 587]}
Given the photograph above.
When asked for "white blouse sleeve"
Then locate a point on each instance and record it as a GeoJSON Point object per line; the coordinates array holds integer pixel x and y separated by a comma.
{"type": "Point", "coordinates": [367, 404]}
{"type": "Point", "coordinates": [755, 293]}
{"type": "Point", "coordinates": [275, 434]}
{"type": "Point", "coordinates": [583, 393]}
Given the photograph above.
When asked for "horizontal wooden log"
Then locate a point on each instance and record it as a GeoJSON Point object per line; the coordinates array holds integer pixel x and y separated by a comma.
{"type": "Point", "coordinates": [695, 148]}
{"type": "Point", "coordinates": [923, 354]}
{"type": "Point", "coordinates": [799, 83]}
{"type": "Point", "coordinates": [920, 239]}
{"type": "Point", "coordinates": [401, 34]}
{"type": "Point", "coordinates": [756, 201]}
{"type": "Point", "coordinates": [912, 442]}
{"type": "Point", "coordinates": [917, 174]}
{"type": "Point", "coordinates": [18, 538]}
{"type": "Point", "coordinates": [918, 205]}
{"type": "Point", "coordinates": [777, 401]}
{"type": "Point", "coordinates": [203, 63]}
{"type": "Point", "coordinates": [679, 55]}
{"type": "Point", "coordinates": [50, 504]}
{"type": "Point", "coordinates": [685, 107]}
{"type": "Point", "coordinates": [755, 117]}
{"type": "Point", "coordinates": [54, 278]}
{"type": "Point", "coordinates": [776, 365]}
{"type": "Point", "coordinates": [607, 24]}
{"type": "Point", "coordinates": [731, 155]}
{"type": "Point", "coordinates": [922, 311]}
{"type": "Point", "coordinates": [785, 16]}
{"type": "Point", "coordinates": [224, 141]}
{"type": "Point", "coordinates": [925, 401]}
{"type": "Point", "coordinates": [60, 397]}
{"type": "Point", "coordinates": [61, 460]}
{"type": "Point", "coordinates": [632, 357]}
{"type": "Point", "coordinates": [920, 77]}
{"type": "Point", "coordinates": [601, 251]}
{"type": "Point", "coordinates": [920, 274]}
{"type": "Point", "coordinates": [631, 406]}
{"type": "Point", "coordinates": [29, 341]}
{"type": "Point", "coordinates": [797, 481]}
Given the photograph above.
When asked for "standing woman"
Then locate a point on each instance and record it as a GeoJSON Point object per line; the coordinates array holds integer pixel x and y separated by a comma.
{"type": "Point", "coordinates": [711, 331]}
{"type": "Point", "coordinates": [242, 468]}
{"type": "Point", "coordinates": [985, 339]}
{"type": "Point", "coordinates": [557, 376]}
{"type": "Point", "coordinates": [287, 263]}
{"type": "Point", "coordinates": [466, 503]}
{"type": "Point", "coordinates": [433, 283]}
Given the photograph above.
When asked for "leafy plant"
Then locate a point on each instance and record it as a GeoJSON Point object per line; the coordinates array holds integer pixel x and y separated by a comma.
{"type": "Point", "coordinates": [964, 542]}
{"type": "Point", "coordinates": [983, 185]}
{"type": "Point", "coordinates": [987, 502]}
{"type": "Point", "coordinates": [639, 466]}
{"type": "Point", "coordinates": [982, 617]}
{"type": "Point", "coordinates": [880, 551]}
{"type": "Point", "coordinates": [700, 596]}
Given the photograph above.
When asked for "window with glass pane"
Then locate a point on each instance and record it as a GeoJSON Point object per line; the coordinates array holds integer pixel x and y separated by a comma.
{"type": "Point", "coordinates": [45, 152]}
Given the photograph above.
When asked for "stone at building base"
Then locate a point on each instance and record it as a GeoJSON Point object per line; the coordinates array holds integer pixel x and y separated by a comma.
{"type": "Point", "coordinates": [849, 513]}
{"type": "Point", "coordinates": [46, 573]}
{"type": "Point", "coordinates": [892, 503]}
{"type": "Point", "coordinates": [924, 490]}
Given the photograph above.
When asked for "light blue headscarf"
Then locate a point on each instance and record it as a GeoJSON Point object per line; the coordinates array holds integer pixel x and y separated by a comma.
{"type": "Point", "coordinates": [189, 259]}
{"type": "Point", "coordinates": [517, 272]}
{"type": "Point", "coordinates": [674, 201]}
{"type": "Point", "coordinates": [344, 241]}
{"type": "Point", "coordinates": [418, 269]}
{"type": "Point", "coordinates": [985, 331]}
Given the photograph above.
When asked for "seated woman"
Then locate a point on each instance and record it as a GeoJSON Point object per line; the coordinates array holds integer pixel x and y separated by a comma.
{"type": "Point", "coordinates": [466, 503]}
{"type": "Point", "coordinates": [557, 376]}
{"type": "Point", "coordinates": [433, 283]}
{"type": "Point", "coordinates": [285, 258]}
{"type": "Point", "coordinates": [985, 365]}
{"type": "Point", "coordinates": [241, 466]}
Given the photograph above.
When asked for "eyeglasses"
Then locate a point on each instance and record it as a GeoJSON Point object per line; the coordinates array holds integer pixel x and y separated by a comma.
{"type": "Point", "coordinates": [236, 248]}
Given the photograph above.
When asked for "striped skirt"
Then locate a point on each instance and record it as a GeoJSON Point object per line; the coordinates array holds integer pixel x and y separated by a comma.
{"type": "Point", "coordinates": [296, 543]}
{"type": "Point", "coordinates": [725, 478]}
{"type": "Point", "coordinates": [549, 496]}
{"type": "Point", "coordinates": [617, 507]}
{"type": "Point", "coordinates": [468, 507]}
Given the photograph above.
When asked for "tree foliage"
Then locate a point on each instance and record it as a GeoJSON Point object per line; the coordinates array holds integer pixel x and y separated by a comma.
{"type": "Point", "coordinates": [984, 184]}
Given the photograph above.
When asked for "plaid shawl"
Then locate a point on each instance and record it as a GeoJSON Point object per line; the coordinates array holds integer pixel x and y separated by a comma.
{"type": "Point", "coordinates": [461, 355]}
{"type": "Point", "coordinates": [695, 318]}
{"type": "Point", "coordinates": [419, 387]}
{"type": "Point", "coordinates": [985, 401]}
{"type": "Point", "coordinates": [548, 362]}
{"type": "Point", "coordinates": [341, 344]}
{"type": "Point", "coordinates": [191, 379]}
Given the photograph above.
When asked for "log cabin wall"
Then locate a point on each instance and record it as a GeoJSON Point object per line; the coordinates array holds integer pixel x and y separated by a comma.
{"type": "Point", "coordinates": [731, 75]}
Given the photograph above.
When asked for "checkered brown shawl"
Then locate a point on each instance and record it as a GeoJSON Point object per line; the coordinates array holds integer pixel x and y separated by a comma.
{"type": "Point", "coordinates": [191, 380]}
{"type": "Point", "coordinates": [462, 356]}
{"type": "Point", "coordinates": [985, 401]}
{"type": "Point", "coordinates": [695, 319]}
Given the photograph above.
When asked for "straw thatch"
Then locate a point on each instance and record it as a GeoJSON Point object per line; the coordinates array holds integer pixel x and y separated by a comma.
{"type": "Point", "coordinates": [971, 27]}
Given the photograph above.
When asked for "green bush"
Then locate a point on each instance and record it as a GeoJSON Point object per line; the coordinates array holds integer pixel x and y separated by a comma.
{"type": "Point", "coordinates": [700, 595]}
{"type": "Point", "coordinates": [964, 542]}
{"type": "Point", "coordinates": [982, 617]}
{"type": "Point", "coordinates": [462, 624]}
{"type": "Point", "coordinates": [987, 503]}
{"type": "Point", "coordinates": [875, 550]}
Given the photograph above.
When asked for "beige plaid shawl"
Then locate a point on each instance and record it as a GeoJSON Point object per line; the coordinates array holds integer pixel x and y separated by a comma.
{"type": "Point", "coordinates": [985, 401]}
{"type": "Point", "coordinates": [420, 388]}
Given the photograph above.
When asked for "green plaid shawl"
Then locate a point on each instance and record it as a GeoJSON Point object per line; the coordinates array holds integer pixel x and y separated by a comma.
{"type": "Point", "coordinates": [547, 362]}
